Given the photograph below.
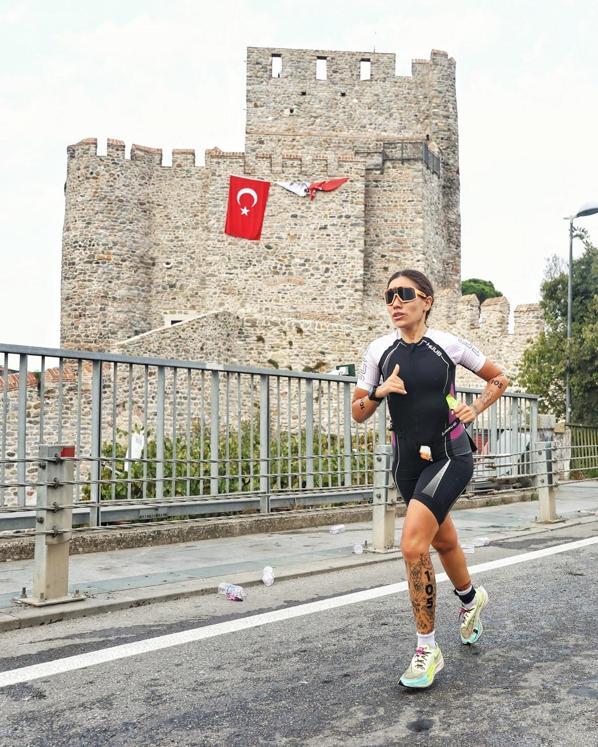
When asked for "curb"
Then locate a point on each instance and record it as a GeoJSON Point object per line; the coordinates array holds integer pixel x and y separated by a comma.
{"type": "Point", "coordinates": [190, 530]}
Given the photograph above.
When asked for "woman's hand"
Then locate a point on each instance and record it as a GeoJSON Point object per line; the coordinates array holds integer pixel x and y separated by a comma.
{"type": "Point", "coordinates": [465, 413]}
{"type": "Point", "coordinates": [393, 385]}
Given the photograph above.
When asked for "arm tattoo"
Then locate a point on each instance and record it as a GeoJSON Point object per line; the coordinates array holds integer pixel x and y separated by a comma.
{"type": "Point", "coordinates": [361, 404]}
{"type": "Point", "coordinates": [487, 397]}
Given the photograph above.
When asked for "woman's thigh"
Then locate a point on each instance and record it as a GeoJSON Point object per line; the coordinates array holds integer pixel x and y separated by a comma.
{"type": "Point", "coordinates": [442, 482]}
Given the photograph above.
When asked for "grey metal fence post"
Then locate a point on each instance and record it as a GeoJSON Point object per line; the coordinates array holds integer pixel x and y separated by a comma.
{"type": "Point", "coordinates": [53, 528]}
{"type": "Point", "coordinates": [22, 430]}
{"type": "Point", "coordinates": [533, 430]}
{"type": "Point", "coordinates": [515, 435]}
{"type": "Point", "coordinates": [160, 404]}
{"type": "Point", "coordinates": [383, 508]}
{"type": "Point", "coordinates": [309, 434]}
{"type": "Point", "coordinates": [493, 428]}
{"type": "Point", "coordinates": [214, 430]}
{"type": "Point", "coordinates": [347, 434]}
{"type": "Point", "coordinates": [265, 444]}
{"type": "Point", "coordinates": [381, 413]}
{"type": "Point", "coordinates": [95, 515]}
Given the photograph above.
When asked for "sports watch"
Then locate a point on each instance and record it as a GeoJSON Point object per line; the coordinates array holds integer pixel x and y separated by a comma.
{"type": "Point", "coordinates": [372, 394]}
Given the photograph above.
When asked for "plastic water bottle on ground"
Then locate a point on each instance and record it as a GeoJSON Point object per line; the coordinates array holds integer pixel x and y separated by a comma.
{"type": "Point", "coordinates": [358, 549]}
{"type": "Point", "coordinates": [481, 542]}
{"type": "Point", "coordinates": [268, 576]}
{"type": "Point", "coordinates": [232, 591]}
{"type": "Point", "coordinates": [337, 529]}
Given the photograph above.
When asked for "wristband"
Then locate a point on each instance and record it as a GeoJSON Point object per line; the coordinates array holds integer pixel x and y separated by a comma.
{"type": "Point", "coordinates": [372, 394]}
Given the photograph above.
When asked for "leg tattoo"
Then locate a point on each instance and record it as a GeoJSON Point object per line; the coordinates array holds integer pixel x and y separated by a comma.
{"type": "Point", "coordinates": [422, 589]}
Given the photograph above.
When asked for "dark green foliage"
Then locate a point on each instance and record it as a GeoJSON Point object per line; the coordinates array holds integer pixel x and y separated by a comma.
{"type": "Point", "coordinates": [544, 363]}
{"type": "Point", "coordinates": [187, 467]}
{"type": "Point", "coordinates": [483, 289]}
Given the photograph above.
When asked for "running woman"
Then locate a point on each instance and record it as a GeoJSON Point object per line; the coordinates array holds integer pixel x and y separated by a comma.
{"type": "Point", "coordinates": [414, 368]}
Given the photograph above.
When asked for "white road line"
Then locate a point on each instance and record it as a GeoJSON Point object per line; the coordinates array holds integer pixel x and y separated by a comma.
{"type": "Point", "coordinates": [103, 656]}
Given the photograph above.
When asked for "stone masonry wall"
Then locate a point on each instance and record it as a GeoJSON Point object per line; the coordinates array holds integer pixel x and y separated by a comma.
{"type": "Point", "coordinates": [202, 338]}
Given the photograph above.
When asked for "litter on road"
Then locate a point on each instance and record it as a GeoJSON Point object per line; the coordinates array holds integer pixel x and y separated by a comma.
{"type": "Point", "coordinates": [232, 591]}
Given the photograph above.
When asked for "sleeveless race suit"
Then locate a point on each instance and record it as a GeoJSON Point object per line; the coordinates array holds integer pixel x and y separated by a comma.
{"type": "Point", "coordinates": [422, 416]}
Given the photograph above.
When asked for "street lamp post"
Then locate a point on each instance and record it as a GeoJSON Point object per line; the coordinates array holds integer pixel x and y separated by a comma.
{"type": "Point", "coordinates": [589, 208]}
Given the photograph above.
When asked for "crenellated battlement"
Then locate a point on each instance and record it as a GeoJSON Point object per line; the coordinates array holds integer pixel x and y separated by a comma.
{"type": "Point", "coordinates": [487, 326]}
{"type": "Point", "coordinates": [116, 151]}
{"type": "Point", "coordinates": [281, 65]}
{"type": "Point", "coordinates": [492, 317]}
{"type": "Point", "coordinates": [274, 164]}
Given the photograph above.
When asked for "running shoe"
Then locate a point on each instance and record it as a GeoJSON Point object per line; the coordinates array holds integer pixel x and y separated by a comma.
{"type": "Point", "coordinates": [471, 622]}
{"type": "Point", "coordinates": [424, 665]}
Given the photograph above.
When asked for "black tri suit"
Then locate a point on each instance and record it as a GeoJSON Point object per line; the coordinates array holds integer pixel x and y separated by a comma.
{"type": "Point", "coordinates": [422, 417]}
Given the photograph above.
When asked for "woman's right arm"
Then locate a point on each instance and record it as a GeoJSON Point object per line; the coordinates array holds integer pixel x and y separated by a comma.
{"type": "Point", "coordinates": [362, 406]}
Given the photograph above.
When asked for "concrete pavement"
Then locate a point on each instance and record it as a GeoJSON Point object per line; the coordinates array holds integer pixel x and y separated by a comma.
{"type": "Point", "coordinates": [126, 578]}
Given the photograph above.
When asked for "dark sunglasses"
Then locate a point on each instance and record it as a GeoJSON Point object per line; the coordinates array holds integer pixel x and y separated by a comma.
{"type": "Point", "coordinates": [405, 293]}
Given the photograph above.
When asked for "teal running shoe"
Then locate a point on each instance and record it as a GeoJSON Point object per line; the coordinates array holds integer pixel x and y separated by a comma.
{"type": "Point", "coordinates": [471, 627]}
{"type": "Point", "coordinates": [426, 662]}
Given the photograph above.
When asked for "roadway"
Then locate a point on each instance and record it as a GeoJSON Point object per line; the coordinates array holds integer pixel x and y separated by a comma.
{"type": "Point", "coordinates": [279, 670]}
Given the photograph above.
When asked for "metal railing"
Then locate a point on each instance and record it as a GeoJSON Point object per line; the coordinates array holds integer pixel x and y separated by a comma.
{"type": "Point", "coordinates": [402, 151]}
{"type": "Point", "coordinates": [156, 438]}
{"type": "Point", "coordinates": [53, 529]}
{"type": "Point", "coordinates": [575, 453]}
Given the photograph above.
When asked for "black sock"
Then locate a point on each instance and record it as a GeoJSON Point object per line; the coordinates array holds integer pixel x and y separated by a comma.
{"type": "Point", "coordinates": [467, 595]}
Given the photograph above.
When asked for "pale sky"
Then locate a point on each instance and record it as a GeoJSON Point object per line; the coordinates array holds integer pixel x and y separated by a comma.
{"type": "Point", "coordinates": [172, 74]}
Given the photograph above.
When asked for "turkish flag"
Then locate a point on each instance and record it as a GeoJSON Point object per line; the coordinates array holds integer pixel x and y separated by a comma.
{"type": "Point", "coordinates": [326, 186]}
{"type": "Point", "coordinates": [247, 200]}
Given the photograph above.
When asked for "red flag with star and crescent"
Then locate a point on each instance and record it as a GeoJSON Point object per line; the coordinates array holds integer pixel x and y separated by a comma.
{"type": "Point", "coordinates": [247, 200]}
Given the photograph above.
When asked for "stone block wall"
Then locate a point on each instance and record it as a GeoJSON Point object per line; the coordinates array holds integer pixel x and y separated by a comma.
{"type": "Point", "coordinates": [202, 338]}
{"type": "Point", "coordinates": [487, 326]}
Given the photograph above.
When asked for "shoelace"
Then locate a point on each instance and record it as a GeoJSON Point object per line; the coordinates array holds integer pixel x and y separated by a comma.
{"type": "Point", "coordinates": [464, 614]}
{"type": "Point", "coordinates": [421, 658]}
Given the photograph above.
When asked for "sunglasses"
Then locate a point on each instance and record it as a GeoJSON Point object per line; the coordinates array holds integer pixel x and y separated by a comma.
{"type": "Point", "coordinates": [405, 293]}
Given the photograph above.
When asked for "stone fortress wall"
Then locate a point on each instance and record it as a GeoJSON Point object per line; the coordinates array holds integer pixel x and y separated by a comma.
{"type": "Point", "coordinates": [144, 242]}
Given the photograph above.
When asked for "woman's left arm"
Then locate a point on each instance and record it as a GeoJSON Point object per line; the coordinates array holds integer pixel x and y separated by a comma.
{"type": "Point", "coordinates": [496, 386]}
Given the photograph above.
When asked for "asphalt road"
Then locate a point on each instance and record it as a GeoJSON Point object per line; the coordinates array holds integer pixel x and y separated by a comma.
{"type": "Point", "coordinates": [329, 678]}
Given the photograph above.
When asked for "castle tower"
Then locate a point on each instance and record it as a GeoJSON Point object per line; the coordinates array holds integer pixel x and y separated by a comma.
{"type": "Point", "coordinates": [328, 106]}
{"type": "Point", "coordinates": [106, 262]}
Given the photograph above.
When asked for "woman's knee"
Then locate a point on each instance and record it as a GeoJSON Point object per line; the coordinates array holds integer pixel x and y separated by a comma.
{"type": "Point", "coordinates": [413, 547]}
{"type": "Point", "coordinates": [444, 545]}
{"type": "Point", "coordinates": [445, 540]}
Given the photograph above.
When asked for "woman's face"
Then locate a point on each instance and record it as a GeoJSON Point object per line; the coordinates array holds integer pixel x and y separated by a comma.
{"type": "Point", "coordinates": [405, 314]}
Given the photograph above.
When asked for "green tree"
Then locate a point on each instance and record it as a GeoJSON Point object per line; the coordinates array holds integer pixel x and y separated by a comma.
{"type": "Point", "coordinates": [483, 289]}
{"type": "Point", "coordinates": [544, 364]}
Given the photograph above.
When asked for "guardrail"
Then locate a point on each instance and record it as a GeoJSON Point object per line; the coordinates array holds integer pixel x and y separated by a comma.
{"type": "Point", "coordinates": [53, 519]}
{"type": "Point", "coordinates": [156, 438]}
